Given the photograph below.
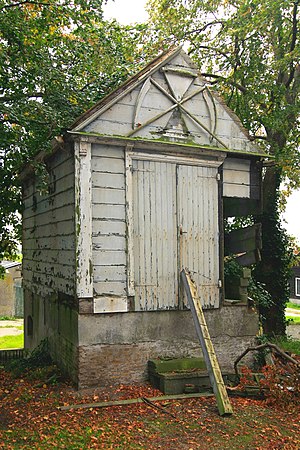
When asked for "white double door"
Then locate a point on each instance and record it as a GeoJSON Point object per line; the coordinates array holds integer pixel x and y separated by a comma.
{"type": "Point", "coordinates": [175, 225]}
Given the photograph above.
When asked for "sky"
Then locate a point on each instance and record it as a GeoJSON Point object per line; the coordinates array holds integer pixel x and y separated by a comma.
{"type": "Point", "coordinates": [126, 11]}
{"type": "Point", "coordinates": [130, 11]}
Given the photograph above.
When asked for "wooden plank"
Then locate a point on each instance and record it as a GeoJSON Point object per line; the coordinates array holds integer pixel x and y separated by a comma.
{"type": "Point", "coordinates": [108, 196]}
{"type": "Point", "coordinates": [110, 273]}
{"type": "Point", "coordinates": [83, 208]}
{"type": "Point", "coordinates": [239, 207]}
{"type": "Point", "coordinates": [129, 222]}
{"type": "Point", "coordinates": [110, 304]}
{"type": "Point", "coordinates": [117, 288]}
{"type": "Point", "coordinates": [108, 180]}
{"type": "Point", "coordinates": [108, 212]}
{"type": "Point", "coordinates": [236, 164]}
{"type": "Point", "coordinates": [244, 239]}
{"type": "Point", "coordinates": [108, 227]}
{"type": "Point", "coordinates": [249, 258]}
{"type": "Point", "coordinates": [209, 355]}
{"type": "Point", "coordinates": [109, 243]}
{"type": "Point", "coordinates": [132, 401]}
{"type": "Point", "coordinates": [109, 165]}
{"type": "Point", "coordinates": [109, 257]}
{"type": "Point", "coordinates": [103, 151]}
{"type": "Point", "coordinates": [236, 190]}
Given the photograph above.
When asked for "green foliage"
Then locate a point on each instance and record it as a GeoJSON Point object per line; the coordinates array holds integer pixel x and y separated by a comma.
{"type": "Point", "coordinates": [275, 268]}
{"type": "Point", "coordinates": [232, 270]}
{"type": "Point", "coordinates": [257, 291]}
{"type": "Point", "coordinates": [56, 60]}
{"type": "Point", "coordinates": [249, 50]}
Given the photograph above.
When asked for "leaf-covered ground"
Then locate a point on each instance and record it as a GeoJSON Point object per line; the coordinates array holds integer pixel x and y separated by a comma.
{"type": "Point", "coordinates": [31, 418]}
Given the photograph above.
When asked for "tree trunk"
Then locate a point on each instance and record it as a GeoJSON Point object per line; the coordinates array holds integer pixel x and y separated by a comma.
{"type": "Point", "coordinates": [273, 270]}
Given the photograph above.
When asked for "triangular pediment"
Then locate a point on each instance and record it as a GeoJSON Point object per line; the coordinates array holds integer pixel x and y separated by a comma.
{"type": "Point", "coordinates": [169, 101]}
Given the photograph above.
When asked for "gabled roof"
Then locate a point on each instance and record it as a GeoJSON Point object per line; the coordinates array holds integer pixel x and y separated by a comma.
{"type": "Point", "coordinates": [139, 77]}
{"type": "Point", "coordinates": [167, 101]}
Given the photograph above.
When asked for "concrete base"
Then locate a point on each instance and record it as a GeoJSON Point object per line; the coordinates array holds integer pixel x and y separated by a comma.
{"type": "Point", "coordinates": [115, 348]}
{"type": "Point", "coordinates": [104, 349]}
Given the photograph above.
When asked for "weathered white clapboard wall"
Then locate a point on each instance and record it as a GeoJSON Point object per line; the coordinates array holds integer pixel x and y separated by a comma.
{"type": "Point", "coordinates": [48, 230]}
{"type": "Point", "coordinates": [236, 178]}
{"type": "Point", "coordinates": [109, 228]}
{"type": "Point", "coordinates": [118, 120]}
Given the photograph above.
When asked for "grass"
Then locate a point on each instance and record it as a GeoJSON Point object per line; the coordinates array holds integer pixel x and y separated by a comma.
{"type": "Point", "coordinates": [8, 318]}
{"type": "Point", "coordinates": [288, 344]}
{"type": "Point", "coordinates": [7, 342]}
{"type": "Point", "coordinates": [292, 305]}
{"type": "Point", "coordinates": [293, 320]}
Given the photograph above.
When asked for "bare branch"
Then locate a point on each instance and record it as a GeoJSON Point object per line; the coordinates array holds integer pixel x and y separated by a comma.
{"type": "Point", "coordinates": [207, 25]}
{"type": "Point", "coordinates": [214, 49]}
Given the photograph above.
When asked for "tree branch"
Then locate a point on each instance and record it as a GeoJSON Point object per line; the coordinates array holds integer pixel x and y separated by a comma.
{"type": "Point", "coordinates": [25, 2]}
{"type": "Point", "coordinates": [230, 82]}
{"type": "Point", "coordinates": [207, 47]}
{"type": "Point", "coordinates": [207, 25]}
{"type": "Point", "coordinates": [28, 96]}
{"type": "Point", "coordinates": [293, 42]}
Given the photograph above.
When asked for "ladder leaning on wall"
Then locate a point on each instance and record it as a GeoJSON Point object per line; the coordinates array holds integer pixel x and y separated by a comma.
{"type": "Point", "coordinates": [209, 354]}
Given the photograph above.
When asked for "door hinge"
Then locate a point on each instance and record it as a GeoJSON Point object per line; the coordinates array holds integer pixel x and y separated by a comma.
{"type": "Point", "coordinates": [218, 177]}
{"type": "Point", "coordinates": [220, 284]}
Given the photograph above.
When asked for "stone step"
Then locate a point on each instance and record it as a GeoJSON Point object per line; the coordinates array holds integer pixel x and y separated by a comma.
{"type": "Point", "coordinates": [175, 365]}
{"type": "Point", "coordinates": [178, 376]}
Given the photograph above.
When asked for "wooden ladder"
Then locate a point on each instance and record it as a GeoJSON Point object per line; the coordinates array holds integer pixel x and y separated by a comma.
{"type": "Point", "coordinates": [209, 354]}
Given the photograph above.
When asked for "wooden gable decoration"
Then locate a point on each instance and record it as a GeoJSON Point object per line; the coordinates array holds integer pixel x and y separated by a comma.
{"type": "Point", "coordinates": [168, 101]}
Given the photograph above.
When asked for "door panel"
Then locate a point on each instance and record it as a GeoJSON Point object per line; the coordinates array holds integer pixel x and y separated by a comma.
{"type": "Point", "coordinates": [154, 235]}
{"type": "Point", "coordinates": [198, 247]}
{"type": "Point", "coordinates": [175, 225]}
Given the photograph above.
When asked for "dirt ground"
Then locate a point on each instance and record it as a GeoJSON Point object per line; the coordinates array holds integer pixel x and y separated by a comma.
{"type": "Point", "coordinates": [31, 418]}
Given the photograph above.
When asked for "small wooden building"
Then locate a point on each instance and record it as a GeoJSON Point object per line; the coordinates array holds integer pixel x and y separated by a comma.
{"type": "Point", "coordinates": [138, 189]}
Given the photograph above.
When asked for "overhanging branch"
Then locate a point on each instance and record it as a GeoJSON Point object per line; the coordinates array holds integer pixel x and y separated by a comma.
{"type": "Point", "coordinates": [230, 82]}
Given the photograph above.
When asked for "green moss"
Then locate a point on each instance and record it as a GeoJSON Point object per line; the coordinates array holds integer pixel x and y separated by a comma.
{"type": "Point", "coordinates": [178, 144]}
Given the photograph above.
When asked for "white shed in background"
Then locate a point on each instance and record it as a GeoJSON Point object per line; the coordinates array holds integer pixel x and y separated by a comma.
{"type": "Point", "coordinates": [138, 190]}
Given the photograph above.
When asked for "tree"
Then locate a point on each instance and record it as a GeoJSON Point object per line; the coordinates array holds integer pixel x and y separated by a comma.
{"type": "Point", "coordinates": [249, 49]}
{"type": "Point", "coordinates": [57, 58]}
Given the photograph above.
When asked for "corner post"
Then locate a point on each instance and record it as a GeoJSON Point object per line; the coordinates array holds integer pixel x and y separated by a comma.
{"type": "Point", "coordinates": [83, 220]}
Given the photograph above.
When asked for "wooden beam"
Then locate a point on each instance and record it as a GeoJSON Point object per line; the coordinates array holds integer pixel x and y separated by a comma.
{"type": "Point", "coordinates": [244, 239]}
{"type": "Point", "coordinates": [131, 401]}
{"type": "Point", "coordinates": [249, 258]}
{"type": "Point", "coordinates": [83, 217]}
{"type": "Point", "coordinates": [239, 207]}
{"type": "Point", "coordinates": [209, 355]}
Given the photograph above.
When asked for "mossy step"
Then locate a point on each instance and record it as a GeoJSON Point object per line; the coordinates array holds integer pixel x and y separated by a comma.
{"type": "Point", "coordinates": [175, 365]}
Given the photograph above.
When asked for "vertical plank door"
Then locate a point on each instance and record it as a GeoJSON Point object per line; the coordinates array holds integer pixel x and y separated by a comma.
{"type": "Point", "coordinates": [198, 224]}
{"type": "Point", "coordinates": [154, 235]}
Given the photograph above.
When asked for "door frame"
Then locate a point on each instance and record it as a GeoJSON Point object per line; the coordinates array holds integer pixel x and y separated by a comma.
{"type": "Point", "coordinates": [130, 155]}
